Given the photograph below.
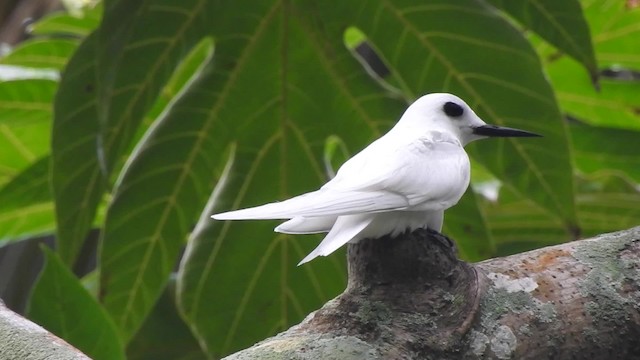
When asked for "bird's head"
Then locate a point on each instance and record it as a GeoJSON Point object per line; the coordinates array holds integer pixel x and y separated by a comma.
{"type": "Point", "coordinates": [447, 112]}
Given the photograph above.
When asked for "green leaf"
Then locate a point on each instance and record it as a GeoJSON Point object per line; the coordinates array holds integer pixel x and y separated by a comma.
{"type": "Point", "coordinates": [615, 29]}
{"type": "Point", "coordinates": [164, 334]}
{"type": "Point", "coordinates": [139, 43]}
{"type": "Point", "coordinates": [609, 206]}
{"type": "Point", "coordinates": [26, 101]}
{"type": "Point", "coordinates": [605, 203]}
{"type": "Point", "coordinates": [561, 23]}
{"type": "Point", "coordinates": [20, 146]}
{"type": "Point", "coordinates": [518, 225]}
{"type": "Point", "coordinates": [466, 225]}
{"type": "Point", "coordinates": [61, 304]}
{"type": "Point", "coordinates": [187, 71]}
{"type": "Point", "coordinates": [42, 53]}
{"type": "Point", "coordinates": [335, 154]}
{"type": "Point", "coordinates": [91, 283]}
{"type": "Point", "coordinates": [76, 169]}
{"type": "Point", "coordinates": [617, 103]}
{"type": "Point", "coordinates": [130, 298]}
{"type": "Point", "coordinates": [63, 23]}
{"type": "Point", "coordinates": [27, 209]}
{"type": "Point", "coordinates": [26, 222]}
{"type": "Point", "coordinates": [77, 181]}
{"type": "Point", "coordinates": [606, 151]}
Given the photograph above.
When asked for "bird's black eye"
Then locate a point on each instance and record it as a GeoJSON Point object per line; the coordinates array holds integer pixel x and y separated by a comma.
{"type": "Point", "coordinates": [452, 109]}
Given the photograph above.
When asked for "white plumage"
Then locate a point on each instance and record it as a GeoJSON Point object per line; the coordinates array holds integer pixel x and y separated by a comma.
{"type": "Point", "coordinates": [404, 180]}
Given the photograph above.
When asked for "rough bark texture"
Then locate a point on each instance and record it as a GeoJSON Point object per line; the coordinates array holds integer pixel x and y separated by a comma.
{"type": "Point", "coordinates": [24, 340]}
{"type": "Point", "coordinates": [411, 298]}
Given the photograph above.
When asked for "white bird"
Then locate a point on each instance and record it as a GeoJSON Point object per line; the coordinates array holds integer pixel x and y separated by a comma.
{"type": "Point", "coordinates": [404, 180]}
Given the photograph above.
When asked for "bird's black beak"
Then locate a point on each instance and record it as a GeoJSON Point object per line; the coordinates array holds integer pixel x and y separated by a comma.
{"type": "Point", "coordinates": [498, 131]}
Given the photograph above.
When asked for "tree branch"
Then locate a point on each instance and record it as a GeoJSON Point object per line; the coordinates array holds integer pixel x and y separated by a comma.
{"type": "Point", "coordinates": [411, 298]}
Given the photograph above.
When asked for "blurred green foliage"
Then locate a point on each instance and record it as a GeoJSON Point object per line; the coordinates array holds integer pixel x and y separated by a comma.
{"type": "Point", "coordinates": [165, 111]}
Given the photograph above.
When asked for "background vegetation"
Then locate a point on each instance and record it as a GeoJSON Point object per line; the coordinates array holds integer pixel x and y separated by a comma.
{"type": "Point", "coordinates": [145, 118]}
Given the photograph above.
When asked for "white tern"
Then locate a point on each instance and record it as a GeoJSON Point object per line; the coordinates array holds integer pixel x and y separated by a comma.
{"type": "Point", "coordinates": [402, 181]}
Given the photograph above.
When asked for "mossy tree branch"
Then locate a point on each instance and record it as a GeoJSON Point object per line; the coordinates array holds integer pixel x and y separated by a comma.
{"type": "Point", "coordinates": [411, 298]}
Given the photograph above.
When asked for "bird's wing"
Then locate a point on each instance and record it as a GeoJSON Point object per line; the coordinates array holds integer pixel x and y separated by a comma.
{"type": "Point", "coordinates": [432, 170]}
{"type": "Point", "coordinates": [324, 202]}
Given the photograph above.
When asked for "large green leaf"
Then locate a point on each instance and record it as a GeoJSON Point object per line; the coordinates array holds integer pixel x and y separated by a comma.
{"type": "Point", "coordinates": [140, 42]}
{"type": "Point", "coordinates": [615, 28]}
{"type": "Point", "coordinates": [42, 53]}
{"type": "Point", "coordinates": [465, 224]}
{"type": "Point", "coordinates": [517, 224]}
{"type": "Point", "coordinates": [94, 170]}
{"type": "Point", "coordinates": [63, 306]}
{"type": "Point", "coordinates": [65, 24]}
{"type": "Point", "coordinates": [25, 111]}
{"type": "Point", "coordinates": [21, 145]}
{"type": "Point", "coordinates": [561, 23]}
{"type": "Point", "coordinates": [164, 335]}
{"type": "Point", "coordinates": [26, 222]}
{"type": "Point", "coordinates": [607, 203]}
{"type": "Point", "coordinates": [26, 101]}
{"type": "Point", "coordinates": [77, 182]}
{"type": "Point", "coordinates": [616, 104]}
{"type": "Point", "coordinates": [606, 151]}
{"type": "Point", "coordinates": [77, 190]}
{"type": "Point", "coordinates": [129, 298]}
{"type": "Point", "coordinates": [27, 209]}
{"type": "Point", "coordinates": [188, 70]}
{"type": "Point", "coordinates": [177, 166]}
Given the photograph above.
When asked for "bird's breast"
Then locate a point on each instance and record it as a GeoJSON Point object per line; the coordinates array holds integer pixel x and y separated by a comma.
{"type": "Point", "coordinates": [438, 175]}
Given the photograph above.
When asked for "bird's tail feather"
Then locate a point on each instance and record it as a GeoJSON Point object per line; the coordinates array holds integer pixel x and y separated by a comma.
{"type": "Point", "coordinates": [306, 225]}
{"type": "Point", "coordinates": [345, 229]}
{"type": "Point", "coordinates": [321, 203]}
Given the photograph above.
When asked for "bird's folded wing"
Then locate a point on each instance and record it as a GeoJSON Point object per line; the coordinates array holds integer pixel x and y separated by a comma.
{"type": "Point", "coordinates": [322, 203]}
{"type": "Point", "coordinates": [428, 170]}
